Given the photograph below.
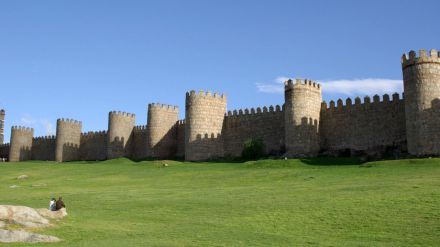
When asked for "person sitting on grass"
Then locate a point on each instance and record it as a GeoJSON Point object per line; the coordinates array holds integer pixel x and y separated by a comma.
{"type": "Point", "coordinates": [52, 204]}
{"type": "Point", "coordinates": [59, 204]}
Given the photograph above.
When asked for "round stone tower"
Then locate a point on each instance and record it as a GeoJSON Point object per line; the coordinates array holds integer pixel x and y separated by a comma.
{"type": "Point", "coordinates": [421, 81]}
{"type": "Point", "coordinates": [2, 126]}
{"type": "Point", "coordinates": [68, 139]}
{"type": "Point", "coordinates": [120, 129]}
{"type": "Point", "coordinates": [301, 115]}
{"type": "Point", "coordinates": [161, 130]}
{"type": "Point", "coordinates": [204, 116]}
{"type": "Point", "coordinates": [21, 143]}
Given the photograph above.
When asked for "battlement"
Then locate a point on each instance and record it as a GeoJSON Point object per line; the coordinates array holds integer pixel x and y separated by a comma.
{"type": "Point", "coordinates": [357, 102]}
{"type": "Point", "coordinates": [69, 121]}
{"type": "Point", "coordinates": [93, 134]}
{"type": "Point", "coordinates": [253, 111]}
{"type": "Point", "coordinates": [180, 122]}
{"type": "Point", "coordinates": [208, 136]}
{"type": "Point", "coordinates": [304, 83]}
{"type": "Point", "coordinates": [432, 57]}
{"type": "Point", "coordinates": [44, 138]}
{"type": "Point", "coordinates": [121, 114]}
{"type": "Point", "coordinates": [201, 93]}
{"type": "Point", "coordinates": [140, 128]}
{"type": "Point", "coordinates": [23, 129]}
{"type": "Point", "coordinates": [163, 107]}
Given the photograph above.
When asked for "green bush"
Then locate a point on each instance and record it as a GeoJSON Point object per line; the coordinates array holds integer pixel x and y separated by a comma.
{"type": "Point", "coordinates": [253, 149]}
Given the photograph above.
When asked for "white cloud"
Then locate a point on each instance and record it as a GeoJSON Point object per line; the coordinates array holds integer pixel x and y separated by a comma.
{"type": "Point", "coordinates": [277, 86]}
{"type": "Point", "coordinates": [37, 123]}
{"type": "Point", "coordinates": [368, 86]}
{"type": "Point", "coordinates": [352, 87]}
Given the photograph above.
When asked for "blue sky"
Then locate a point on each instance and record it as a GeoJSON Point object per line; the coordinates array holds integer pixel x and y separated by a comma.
{"type": "Point", "coordinates": [82, 59]}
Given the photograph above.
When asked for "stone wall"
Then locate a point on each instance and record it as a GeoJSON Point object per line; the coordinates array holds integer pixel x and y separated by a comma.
{"type": "Point", "coordinates": [180, 128]}
{"type": "Point", "coordinates": [371, 127]}
{"type": "Point", "coordinates": [421, 77]}
{"type": "Point", "coordinates": [120, 128]}
{"type": "Point", "coordinates": [266, 124]}
{"type": "Point", "coordinates": [21, 143]}
{"type": "Point", "coordinates": [68, 138]}
{"type": "Point", "coordinates": [140, 142]}
{"type": "Point", "coordinates": [4, 151]}
{"type": "Point", "coordinates": [93, 145]}
{"type": "Point", "coordinates": [43, 148]}
{"type": "Point", "coordinates": [162, 132]}
{"type": "Point", "coordinates": [204, 122]}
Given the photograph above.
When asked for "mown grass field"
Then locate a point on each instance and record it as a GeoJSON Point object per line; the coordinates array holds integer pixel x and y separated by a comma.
{"type": "Point", "coordinates": [316, 202]}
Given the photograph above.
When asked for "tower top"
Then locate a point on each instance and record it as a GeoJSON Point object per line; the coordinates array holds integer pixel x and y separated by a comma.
{"type": "Point", "coordinates": [408, 60]}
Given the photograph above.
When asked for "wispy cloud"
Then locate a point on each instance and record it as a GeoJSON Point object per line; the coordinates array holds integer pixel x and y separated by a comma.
{"type": "Point", "coordinates": [277, 85]}
{"type": "Point", "coordinates": [351, 87]}
{"type": "Point", "coordinates": [36, 123]}
{"type": "Point", "coordinates": [368, 86]}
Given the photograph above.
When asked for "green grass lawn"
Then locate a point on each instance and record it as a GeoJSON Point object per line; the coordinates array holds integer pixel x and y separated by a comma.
{"type": "Point", "coordinates": [315, 202]}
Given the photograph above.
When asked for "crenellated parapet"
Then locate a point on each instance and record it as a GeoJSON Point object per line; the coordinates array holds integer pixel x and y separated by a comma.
{"type": "Point", "coordinates": [21, 143]}
{"type": "Point", "coordinates": [208, 94]}
{"type": "Point", "coordinates": [93, 134]}
{"type": "Point", "coordinates": [120, 128]}
{"type": "Point", "coordinates": [340, 105]}
{"type": "Point", "coordinates": [140, 128]}
{"type": "Point", "coordinates": [236, 118]}
{"type": "Point", "coordinates": [302, 83]}
{"type": "Point", "coordinates": [163, 107]}
{"type": "Point", "coordinates": [410, 59]}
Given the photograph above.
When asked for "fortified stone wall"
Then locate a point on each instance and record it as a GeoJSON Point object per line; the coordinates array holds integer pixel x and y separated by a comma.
{"type": "Point", "coordinates": [180, 128]}
{"type": "Point", "coordinates": [68, 139]}
{"type": "Point", "coordinates": [421, 77]}
{"type": "Point", "coordinates": [371, 127]}
{"type": "Point", "coordinates": [266, 124]}
{"type": "Point", "coordinates": [162, 139]}
{"type": "Point", "coordinates": [204, 122]}
{"type": "Point", "coordinates": [93, 145]}
{"type": "Point", "coordinates": [140, 142]}
{"type": "Point", "coordinates": [21, 143]}
{"type": "Point", "coordinates": [302, 127]}
{"type": "Point", "coordinates": [43, 148]}
{"type": "Point", "coordinates": [4, 151]}
{"type": "Point", "coordinates": [120, 128]}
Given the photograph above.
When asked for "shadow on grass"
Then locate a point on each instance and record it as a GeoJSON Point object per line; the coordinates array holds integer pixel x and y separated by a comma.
{"type": "Point", "coordinates": [331, 161]}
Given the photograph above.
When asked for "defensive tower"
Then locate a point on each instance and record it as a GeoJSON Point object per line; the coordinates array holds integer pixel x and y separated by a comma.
{"type": "Point", "coordinates": [68, 139]}
{"type": "Point", "coordinates": [162, 130]}
{"type": "Point", "coordinates": [421, 80]}
{"type": "Point", "coordinates": [204, 115]}
{"type": "Point", "coordinates": [120, 129]}
{"type": "Point", "coordinates": [2, 126]}
{"type": "Point", "coordinates": [301, 115]}
{"type": "Point", "coordinates": [21, 143]}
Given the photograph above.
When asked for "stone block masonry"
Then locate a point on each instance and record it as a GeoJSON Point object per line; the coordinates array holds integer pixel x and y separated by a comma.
{"type": "Point", "coordinates": [303, 126]}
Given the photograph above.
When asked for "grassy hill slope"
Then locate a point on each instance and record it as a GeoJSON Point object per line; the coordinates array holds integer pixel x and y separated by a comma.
{"type": "Point", "coordinates": [313, 202]}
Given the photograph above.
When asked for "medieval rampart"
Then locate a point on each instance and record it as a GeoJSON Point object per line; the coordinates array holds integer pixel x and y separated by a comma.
{"type": "Point", "coordinates": [43, 148]}
{"type": "Point", "coordinates": [304, 126]}
{"type": "Point", "coordinates": [371, 127]}
{"type": "Point", "coordinates": [93, 145]}
{"type": "Point", "coordinates": [266, 124]}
